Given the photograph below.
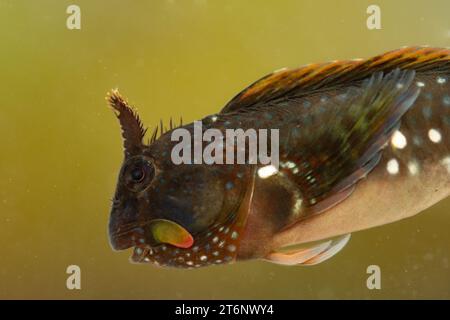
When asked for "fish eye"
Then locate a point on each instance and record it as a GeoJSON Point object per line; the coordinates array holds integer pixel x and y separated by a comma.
{"type": "Point", "coordinates": [138, 173]}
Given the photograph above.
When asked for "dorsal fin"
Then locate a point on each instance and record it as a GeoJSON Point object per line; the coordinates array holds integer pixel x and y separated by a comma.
{"type": "Point", "coordinates": [288, 83]}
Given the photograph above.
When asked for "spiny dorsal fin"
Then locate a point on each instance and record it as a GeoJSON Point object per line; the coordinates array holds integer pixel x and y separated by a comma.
{"type": "Point", "coordinates": [302, 81]}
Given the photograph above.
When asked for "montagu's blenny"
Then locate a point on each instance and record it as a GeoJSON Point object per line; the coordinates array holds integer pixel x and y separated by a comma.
{"type": "Point", "coordinates": [362, 143]}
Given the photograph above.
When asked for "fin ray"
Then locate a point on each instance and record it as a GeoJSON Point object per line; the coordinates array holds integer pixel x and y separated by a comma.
{"type": "Point", "coordinates": [288, 83]}
{"type": "Point", "coordinates": [336, 246]}
{"type": "Point", "coordinates": [310, 256]}
{"type": "Point", "coordinates": [342, 146]}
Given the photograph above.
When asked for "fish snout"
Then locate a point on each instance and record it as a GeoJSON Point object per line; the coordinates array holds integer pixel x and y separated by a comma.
{"type": "Point", "coordinates": [124, 228]}
{"type": "Point", "coordinates": [122, 240]}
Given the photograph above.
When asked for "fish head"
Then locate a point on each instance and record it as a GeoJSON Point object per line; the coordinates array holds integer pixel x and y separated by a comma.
{"type": "Point", "coordinates": [169, 211]}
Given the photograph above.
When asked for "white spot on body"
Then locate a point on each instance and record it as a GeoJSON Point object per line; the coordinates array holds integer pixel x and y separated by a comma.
{"type": "Point", "coordinates": [420, 84]}
{"type": "Point", "coordinates": [446, 100]}
{"type": "Point", "coordinates": [398, 140]}
{"type": "Point", "coordinates": [393, 166]}
{"type": "Point", "coordinates": [441, 80]}
{"type": "Point", "coordinates": [214, 118]}
{"type": "Point", "coordinates": [413, 167]}
{"type": "Point", "coordinates": [446, 162]}
{"type": "Point", "coordinates": [434, 135]}
{"type": "Point", "coordinates": [417, 140]}
{"type": "Point", "coordinates": [267, 171]}
{"type": "Point", "coordinates": [297, 205]}
{"type": "Point", "coordinates": [290, 164]}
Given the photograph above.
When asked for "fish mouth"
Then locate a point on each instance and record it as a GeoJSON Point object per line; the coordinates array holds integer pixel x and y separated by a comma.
{"type": "Point", "coordinates": [141, 254]}
{"type": "Point", "coordinates": [133, 238]}
{"type": "Point", "coordinates": [122, 240]}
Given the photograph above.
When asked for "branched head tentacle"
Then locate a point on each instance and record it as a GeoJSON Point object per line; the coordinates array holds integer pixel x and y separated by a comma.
{"type": "Point", "coordinates": [133, 131]}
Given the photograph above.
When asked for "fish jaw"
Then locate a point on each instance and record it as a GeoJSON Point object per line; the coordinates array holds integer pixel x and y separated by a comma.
{"type": "Point", "coordinates": [124, 229]}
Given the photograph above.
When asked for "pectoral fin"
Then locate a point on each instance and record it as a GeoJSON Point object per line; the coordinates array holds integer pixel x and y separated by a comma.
{"type": "Point", "coordinates": [335, 246]}
{"type": "Point", "coordinates": [310, 256]}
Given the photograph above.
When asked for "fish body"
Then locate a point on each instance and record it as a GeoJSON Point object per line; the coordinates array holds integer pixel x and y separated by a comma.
{"type": "Point", "coordinates": [361, 144]}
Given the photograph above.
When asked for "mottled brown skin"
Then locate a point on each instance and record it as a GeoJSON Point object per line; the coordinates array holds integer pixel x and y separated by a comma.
{"type": "Point", "coordinates": [193, 196]}
{"type": "Point", "coordinates": [381, 197]}
{"type": "Point", "coordinates": [336, 121]}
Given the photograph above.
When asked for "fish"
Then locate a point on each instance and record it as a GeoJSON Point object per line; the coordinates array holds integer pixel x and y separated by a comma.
{"type": "Point", "coordinates": [362, 143]}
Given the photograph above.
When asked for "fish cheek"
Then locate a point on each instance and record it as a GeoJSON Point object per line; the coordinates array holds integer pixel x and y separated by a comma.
{"type": "Point", "coordinates": [219, 196]}
{"type": "Point", "coordinates": [196, 197]}
{"type": "Point", "coordinates": [207, 205]}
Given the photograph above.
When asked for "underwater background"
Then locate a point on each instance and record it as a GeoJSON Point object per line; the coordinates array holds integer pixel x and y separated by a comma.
{"type": "Point", "coordinates": [61, 147]}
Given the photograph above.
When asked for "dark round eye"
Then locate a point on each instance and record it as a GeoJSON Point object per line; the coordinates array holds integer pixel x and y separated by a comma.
{"type": "Point", "coordinates": [137, 174]}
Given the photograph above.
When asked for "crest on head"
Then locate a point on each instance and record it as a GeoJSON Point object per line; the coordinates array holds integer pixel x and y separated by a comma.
{"type": "Point", "coordinates": [133, 131]}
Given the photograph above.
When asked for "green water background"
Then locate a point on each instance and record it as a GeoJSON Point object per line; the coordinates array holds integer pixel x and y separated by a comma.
{"type": "Point", "coordinates": [61, 147]}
